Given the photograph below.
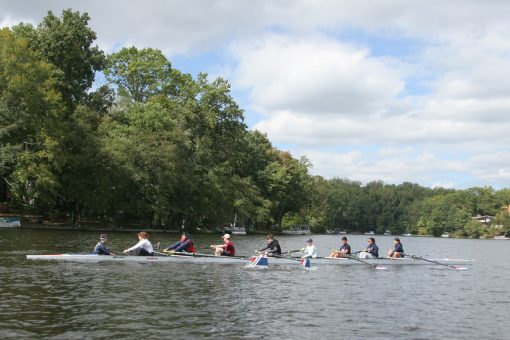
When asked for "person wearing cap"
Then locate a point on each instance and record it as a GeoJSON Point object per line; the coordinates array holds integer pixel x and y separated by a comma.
{"type": "Point", "coordinates": [371, 252]}
{"type": "Point", "coordinates": [344, 251]}
{"type": "Point", "coordinates": [225, 249]}
{"type": "Point", "coordinates": [398, 249]}
{"type": "Point", "coordinates": [143, 247]}
{"type": "Point", "coordinates": [310, 250]}
{"type": "Point", "coordinates": [185, 244]}
{"type": "Point", "coordinates": [100, 248]}
{"type": "Point", "coordinates": [272, 247]}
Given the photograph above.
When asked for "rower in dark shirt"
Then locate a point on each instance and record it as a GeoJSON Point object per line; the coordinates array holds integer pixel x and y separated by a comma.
{"type": "Point", "coordinates": [273, 247]}
{"type": "Point", "coordinates": [372, 250]}
{"type": "Point", "coordinates": [344, 251]}
{"type": "Point", "coordinates": [398, 249]}
{"type": "Point", "coordinates": [185, 244]}
{"type": "Point", "coordinates": [100, 248]}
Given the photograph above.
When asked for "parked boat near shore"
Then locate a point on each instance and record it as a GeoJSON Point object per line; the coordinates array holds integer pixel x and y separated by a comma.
{"type": "Point", "coordinates": [297, 230]}
{"type": "Point", "coordinates": [10, 222]}
{"type": "Point", "coordinates": [506, 236]}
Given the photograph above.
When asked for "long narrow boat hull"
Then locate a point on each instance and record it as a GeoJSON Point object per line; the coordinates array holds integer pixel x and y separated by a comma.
{"type": "Point", "coordinates": [207, 259]}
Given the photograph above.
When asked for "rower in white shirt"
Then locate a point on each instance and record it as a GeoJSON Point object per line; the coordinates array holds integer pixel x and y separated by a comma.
{"type": "Point", "coordinates": [310, 251]}
{"type": "Point", "coordinates": [143, 247]}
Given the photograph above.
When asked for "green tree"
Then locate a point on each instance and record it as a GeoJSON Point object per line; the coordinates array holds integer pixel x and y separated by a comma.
{"type": "Point", "coordinates": [67, 43]}
{"type": "Point", "coordinates": [141, 74]}
{"type": "Point", "coordinates": [30, 114]}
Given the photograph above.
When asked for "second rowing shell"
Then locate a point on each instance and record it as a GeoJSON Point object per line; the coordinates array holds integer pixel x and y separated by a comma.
{"type": "Point", "coordinates": [204, 259]}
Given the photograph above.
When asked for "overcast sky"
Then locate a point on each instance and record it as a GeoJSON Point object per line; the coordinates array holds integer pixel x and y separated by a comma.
{"type": "Point", "coordinates": [400, 91]}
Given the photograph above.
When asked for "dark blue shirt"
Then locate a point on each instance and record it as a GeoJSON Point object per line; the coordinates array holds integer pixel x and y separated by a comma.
{"type": "Point", "coordinates": [180, 246]}
{"type": "Point", "coordinates": [373, 249]}
{"type": "Point", "coordinates": [101, 249]}
{"type": "Point", "coordinates": [345, 248]}
{"type": "Point", "coordinates": [398, 248]}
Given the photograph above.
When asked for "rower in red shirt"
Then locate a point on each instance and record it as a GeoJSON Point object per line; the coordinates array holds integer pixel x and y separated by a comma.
{"type": "Point", "coordinates": [225, 249]}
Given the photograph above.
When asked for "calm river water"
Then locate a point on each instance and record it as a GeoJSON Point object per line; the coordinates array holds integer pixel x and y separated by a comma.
{"type": "Point", "coordinates": [57, 300]}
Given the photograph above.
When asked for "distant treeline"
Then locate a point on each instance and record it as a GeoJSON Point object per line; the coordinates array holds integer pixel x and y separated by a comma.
{"type": "Point", "coordinates": [405, 208]}
{"type": "Point", "coordinates": [151, 145]}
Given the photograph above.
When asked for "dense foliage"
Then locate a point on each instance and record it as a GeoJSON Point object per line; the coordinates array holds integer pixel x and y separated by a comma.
{"type": "Point", "coordinates": [154, 146]}
{"type": "Point", "coordinates": [405, 208]}
{"type": "Point", "coordinates": [151, 146]}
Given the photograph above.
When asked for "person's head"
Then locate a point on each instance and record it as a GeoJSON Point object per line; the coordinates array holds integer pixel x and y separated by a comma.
{"type": "Point", "coordinates": [269, 238]}
{"type": "Point", "coordinates": [103, 238]}
{"type": "Point", "coordinates": [184, 236]}
{"type": "Point", "coordinates": [396, 240]}
{"type": "Point", "coordinates": [309, 242]}
{"type": "Point", "coordinates": [226, 237]}
{"type": "Point", "coordinates": [344, 240]}
{"type": "Point", "coordinates": [371, 240]}
{"type": "Point", "coordinates": [143, 235]}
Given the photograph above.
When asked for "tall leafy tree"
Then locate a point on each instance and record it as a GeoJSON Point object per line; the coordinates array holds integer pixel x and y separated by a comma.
{"type": "Point", "coordinates": [31, 109]}
{"type": "Point", "coordinates": [67, 43]}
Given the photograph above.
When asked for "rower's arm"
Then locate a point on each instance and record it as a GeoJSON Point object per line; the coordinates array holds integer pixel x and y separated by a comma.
{"type": "Point", "coordinates": [173, 246]}
{"type": "Point", "coordinates": [183, 245]}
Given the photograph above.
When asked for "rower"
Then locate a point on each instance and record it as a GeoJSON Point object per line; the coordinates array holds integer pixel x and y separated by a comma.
{"type": "Point", "coordinates": [344, 251]}
{"type": "Point", "coordinates": [100, 248]}
{"type": "Point", "coordinates": [372, 250]}
{"type": "Point", "coordinates": [185, 244]}
{"type": "Point", "coordinates": [310, 251]}
{"type": "Point", "coordinates": [398, 249]}
{"type": "Point", "coordinates": [143, 247]}
{"type": "Point", "coordinates": [272, 245]}
{"type": "Point", "coordinates": [225, 249]}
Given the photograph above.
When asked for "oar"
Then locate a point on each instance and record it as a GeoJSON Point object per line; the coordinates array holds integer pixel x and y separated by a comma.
{"type": "Point", "coordinates": [365, 262]}
{"type": "Point", "coordinates": [435, 262]}
{"type": "Point", "coordinates": [292, 251]}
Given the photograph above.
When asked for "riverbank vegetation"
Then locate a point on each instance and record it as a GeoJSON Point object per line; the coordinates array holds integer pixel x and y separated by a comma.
{"type": "Point", "coordinates": [126, 138]}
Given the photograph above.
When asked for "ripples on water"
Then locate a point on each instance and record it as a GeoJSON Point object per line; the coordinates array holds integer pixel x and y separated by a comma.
{"type": "Point", "coordinates": [62, 300]}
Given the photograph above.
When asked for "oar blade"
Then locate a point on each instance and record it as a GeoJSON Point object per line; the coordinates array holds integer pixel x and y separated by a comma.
{"type": "Point", "coordinates": [306, 263]}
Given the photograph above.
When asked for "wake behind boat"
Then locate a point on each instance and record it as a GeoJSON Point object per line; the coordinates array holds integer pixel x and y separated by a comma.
{"type": "Point", "coordinates": [211, 259]}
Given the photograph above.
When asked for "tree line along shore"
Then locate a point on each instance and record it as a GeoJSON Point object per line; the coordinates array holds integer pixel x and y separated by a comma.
{"type": "Point", "coordinates": [125, 140]}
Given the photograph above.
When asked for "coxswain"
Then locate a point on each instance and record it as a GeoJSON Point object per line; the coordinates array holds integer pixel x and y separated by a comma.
{"type": "Point", "coordinates": [344, 251]}
{"type": "Point", "coordinates": [310, 251]}
{"type": "Point", "coordinates": [225, 249]}
{"type": "Point", "coordinates": [372, 250]}
{"type": "Point", "coordinates": [398, 249]}
{"type": "Point", "coordinates": [143, 247]}
{"type": "Point", "coordinates": [100, 248]}
{"type": "Point", "coordinates": [185, 244]}
{"type": "Point", "coordinates": [272, 248]}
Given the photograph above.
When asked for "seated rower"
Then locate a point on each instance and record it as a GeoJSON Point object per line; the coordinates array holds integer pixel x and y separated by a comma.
{"type": "Point", "coordinates": [185, 244]}
{"type": "Point", "coordinates": [344, 251]}
{"type": "Point", "coordinates": [398, 249]}
{"type": "Point", "coordinates": [143, 247]}
{"type": "Point", "coordinates": [100, 248]}
{"type": "Point", "coordinates": [272, 245]}
{"type": "Point", "coordinates": [225, 249]}
{"type": "Point", "coordinates": [372, 251]}
{"type": "Point", "coordinates": [310, 251]}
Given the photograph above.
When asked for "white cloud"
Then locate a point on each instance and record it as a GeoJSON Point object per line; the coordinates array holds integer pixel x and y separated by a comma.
{"type": "Point", "coordinates": [317, 93]}
{"type": "Point", "coordinates": [315, 75]}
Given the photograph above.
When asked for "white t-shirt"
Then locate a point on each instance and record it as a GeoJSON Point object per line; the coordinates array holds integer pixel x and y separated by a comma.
{"type": "Point", "coordinates": [145, 244]}
{"type": "Point", "coordinates": [310, 251]}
